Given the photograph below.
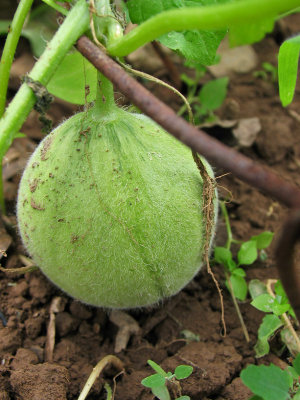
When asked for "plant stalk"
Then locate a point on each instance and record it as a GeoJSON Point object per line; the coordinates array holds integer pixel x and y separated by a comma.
{"type": "Point", "coordinates": [9, 50]}
{"type": "Point", "coordinates": [208, 17]}
{"type": "Point", "coordinates": [105, 100]}
{"type": "Point", "coordinates": [237, 308]}
{"type": "Point", "coordinates": [75, 24]}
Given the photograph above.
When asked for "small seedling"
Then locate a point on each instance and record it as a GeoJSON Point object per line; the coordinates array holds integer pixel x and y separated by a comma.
{"type": "Point", "coordinates": [248, 252]}
{"type": "Point", "coordinates": [158, 383]}
{"type": "Point", "coordinates": [205, 100]}
{"type": "Point", "coordinates": [279, 309]}
{"type": "Point", "coordinates": [268, 72]}
{"type": "Point", "coordinates": [271, 382]}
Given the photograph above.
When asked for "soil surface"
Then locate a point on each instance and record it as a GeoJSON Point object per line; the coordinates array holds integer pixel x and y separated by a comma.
{"type": "Point", "coordinates": [49, 342]}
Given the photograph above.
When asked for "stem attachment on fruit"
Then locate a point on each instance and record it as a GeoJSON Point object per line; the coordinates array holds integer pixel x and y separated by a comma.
{"type": "Point", "coordinates": [105, 100]}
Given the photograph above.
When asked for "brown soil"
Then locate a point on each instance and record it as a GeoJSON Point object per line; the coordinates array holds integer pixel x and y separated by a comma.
{"type": "Point", "coordinates": [84, 335]}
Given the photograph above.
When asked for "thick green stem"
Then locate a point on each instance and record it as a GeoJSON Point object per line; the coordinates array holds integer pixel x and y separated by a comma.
{"type": "Point", "coordinates": [208, 17]}
{"type": "Point", "coordinates": [10, 48]}
{"type": "Point", "coordinates": [105, 101]}
{"type": "Point", "coordinates": [75, 24]}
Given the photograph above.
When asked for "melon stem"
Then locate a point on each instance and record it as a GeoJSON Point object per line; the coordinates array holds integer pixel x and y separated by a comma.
{"type": "Point", "coordinates": [105, 101]}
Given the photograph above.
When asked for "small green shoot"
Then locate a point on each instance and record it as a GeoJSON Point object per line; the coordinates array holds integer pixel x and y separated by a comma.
{"type": "Point", "coordinates": [271, 382]}
{"type": "Point", "coordinates": [248, 253]}
{"type": "Point", "coordinates": [277, 306]}
{"type": "Point", "coordinates": [158, 381]}
{"type": "Point", "coordinates": [268, 72]}
{"type": "Point", "coordinates": [288, 68]}
{"type": "Point", "coordinates": [206, 100]}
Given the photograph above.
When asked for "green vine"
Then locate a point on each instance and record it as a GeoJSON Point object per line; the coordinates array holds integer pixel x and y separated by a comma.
{"type": "Point", "coordinates": [10, 48]}
{"type": "Point", "coordinates": [208, 17]}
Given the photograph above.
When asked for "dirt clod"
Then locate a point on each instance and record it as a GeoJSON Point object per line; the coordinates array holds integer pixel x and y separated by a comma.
{"type": "Point", "coordinates": [50, 382]}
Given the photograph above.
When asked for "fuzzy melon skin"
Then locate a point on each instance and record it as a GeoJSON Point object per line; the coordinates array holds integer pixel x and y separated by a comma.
{"type": "Point", "coordinates": [111, 210]}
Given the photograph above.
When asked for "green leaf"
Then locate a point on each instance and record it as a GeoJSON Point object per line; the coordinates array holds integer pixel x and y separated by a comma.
{"type": "Point", "coordinates": [263, 240]}
{"type": "Point", "coordinates": [261, 348]}
{"type": "Point", "coordinates": [71, 78]}
{"type": "Point", "coordinates": [264, 302]}
{"type": "Point", "coordinates": [153, 381]}
{"type": "Point", "coordinates": [183, 371]}
{"type": "Point", "coordinates": [269, 382]}
{"type": "Point", "coordinates": [161, 393]}
{"type": "Point", "coordinates": [296, 364]}
{"type": "Point", "coordinates": [239, 287]}
{"type": "Point", "coordinates": [183, 398]}
{"type": "Point", "coordinates": [279, 309]}
{"type": "Point", "coordinates": [223, 256]}
{"type": "Point", "coordinates": [247, 253]}
{"type": "Point", "coordinates": [256, 288]}
{"type": "Point", "coordinates": [256, 398]}
{"type": "Point", "coordinates": [251, 32]}
{"type": "Point", "coordinates": [41, 27]}
{"type": "Point", "coordinates": [213, 93]}
{"type": "Point", "coordinates": [280, 293]}
{"type": "Point", "coordinates": [157, 368]}
{"type": "Point", "coordinates": [292, 372]}
{"type": "Point", "coordinates": [4, 26]}
{"type": "Point", "coordinates": [288, 68]}
{"type": "Point", "coordinates": [195, 45]}
{"type": "Point", "coordinates": [268, 327]}
{"type": "Point", "coordinates": [239, 272]}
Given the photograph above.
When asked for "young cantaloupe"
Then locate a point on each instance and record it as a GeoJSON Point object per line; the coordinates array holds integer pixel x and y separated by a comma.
{"type": "Point", "coordinates": [112, 210]}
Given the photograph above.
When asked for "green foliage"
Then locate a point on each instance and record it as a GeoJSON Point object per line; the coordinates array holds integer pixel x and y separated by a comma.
{"type": "Point", "coordinates": [268, 71]}
{"type": "Point", "coordinates": [276, 305]}
{"type": "Point", "coordinates": [206, 100]}
{"type": "Point", "coordinates": [251, 32]}
{"type": "Point", "coordinates": [69, 83]}
{"type": "Point", "coordinates": [212, 95]}
{"type": "Point", "coordinates": [74, 73]}
{"type": "Point", "coordinates": [270, 324]}
{"type": "Point", "coordinates": [247, 254]}
{"type": "Point", "coordinates": [271, 382]}
{"type": "Point", "coordinates": [288, 68]}
{"type": "Point", "coordinates": [267, 382]}
{"type": "Point", "coordinates": [195, 45]}
{"type": "Point", "coordinates": [158, 382]}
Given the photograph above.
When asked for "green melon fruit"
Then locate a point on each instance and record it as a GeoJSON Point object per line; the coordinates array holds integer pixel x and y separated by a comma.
{"type": "Point", "coordinates": [111, 210]}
